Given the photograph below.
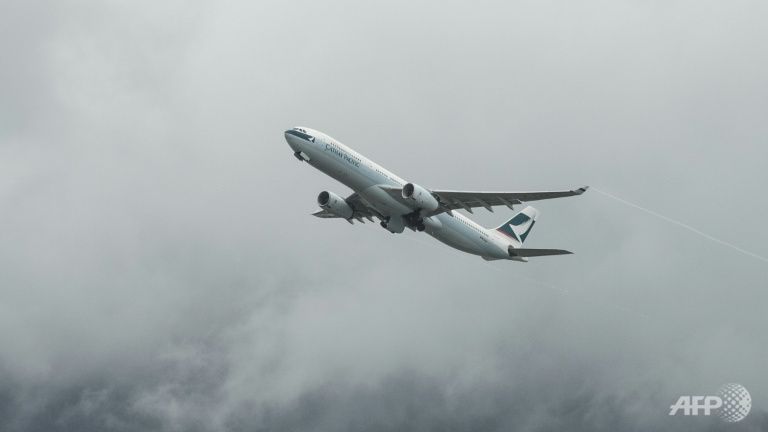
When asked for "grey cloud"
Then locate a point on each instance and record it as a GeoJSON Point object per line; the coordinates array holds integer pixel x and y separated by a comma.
{"type": "Point", "coordinates": [159, 270]}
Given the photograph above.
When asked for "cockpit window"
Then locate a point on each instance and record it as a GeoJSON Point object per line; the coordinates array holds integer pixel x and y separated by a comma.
{"type": "Point", "coordinates": [301, 133]}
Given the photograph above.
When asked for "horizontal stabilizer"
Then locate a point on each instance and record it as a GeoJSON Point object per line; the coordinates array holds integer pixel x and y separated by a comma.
{"type": "Point", "coordinates": [526, 252]}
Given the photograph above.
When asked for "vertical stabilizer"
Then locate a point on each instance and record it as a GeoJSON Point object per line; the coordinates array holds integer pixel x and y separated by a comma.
{"type": "Point", "coordinates": [520, 225]}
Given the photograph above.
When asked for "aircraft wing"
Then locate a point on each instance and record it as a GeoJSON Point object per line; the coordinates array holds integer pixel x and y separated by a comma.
{"type": "Point", "coordinates": [454, 200]}
{"type": "Point", "coordinates": [359, 206]}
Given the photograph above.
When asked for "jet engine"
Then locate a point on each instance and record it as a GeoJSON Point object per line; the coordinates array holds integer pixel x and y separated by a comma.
{"type": "Point", "coordinates": [334, 204]}
{"type": "Point", "coordinates": [422, 197]}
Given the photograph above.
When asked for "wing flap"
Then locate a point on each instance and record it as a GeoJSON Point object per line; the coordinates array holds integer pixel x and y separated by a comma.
{"type": "Point", "coordinates": [324, 214]}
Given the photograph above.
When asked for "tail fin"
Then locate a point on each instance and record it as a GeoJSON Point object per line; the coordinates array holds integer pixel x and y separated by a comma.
{"type": "Point", "coordinates": [520, 225]}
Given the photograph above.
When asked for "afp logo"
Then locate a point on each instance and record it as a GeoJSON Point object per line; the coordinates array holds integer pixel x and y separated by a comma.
{"type": "Point", "coordinates": [732, 404]}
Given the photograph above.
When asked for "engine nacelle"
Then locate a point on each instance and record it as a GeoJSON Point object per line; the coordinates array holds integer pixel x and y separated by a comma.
{"type": "Point", "coordinates": [334, 204]}
{"type": "Point", "coordinates": [420, 196]}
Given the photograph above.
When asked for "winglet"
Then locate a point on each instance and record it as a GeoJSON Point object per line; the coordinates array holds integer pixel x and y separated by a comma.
{"type": "Point", "coordinates": [581, 190]}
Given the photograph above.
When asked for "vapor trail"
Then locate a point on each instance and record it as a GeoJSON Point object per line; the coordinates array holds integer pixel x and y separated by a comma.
{"type": "Point", "coordinates": [682, 225]}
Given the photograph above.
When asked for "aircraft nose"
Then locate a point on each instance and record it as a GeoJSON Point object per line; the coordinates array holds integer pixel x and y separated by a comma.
{"type": "Point", "coordinates": [294, 141]}
{"type": "Point", "coordinates": [299, 139]}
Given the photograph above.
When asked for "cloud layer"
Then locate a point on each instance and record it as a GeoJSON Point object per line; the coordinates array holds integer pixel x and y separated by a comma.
{"type": "Point", "coordinates": [159, 270]}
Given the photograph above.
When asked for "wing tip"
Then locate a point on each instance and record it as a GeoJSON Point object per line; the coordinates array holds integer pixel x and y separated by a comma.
{"type": "Point", "coordinates": [581, 190]}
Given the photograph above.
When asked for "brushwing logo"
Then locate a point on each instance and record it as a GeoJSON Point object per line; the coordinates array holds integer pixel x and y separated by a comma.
{"type": "Point", "coordinates": [732, 404]}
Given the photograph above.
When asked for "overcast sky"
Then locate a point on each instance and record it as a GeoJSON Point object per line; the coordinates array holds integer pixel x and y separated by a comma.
{"type": "Point", "coordinates": [159, 269]}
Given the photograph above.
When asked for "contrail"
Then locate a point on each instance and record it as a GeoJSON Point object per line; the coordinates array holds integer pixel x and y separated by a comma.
{"type": "Point", "coordinates": [683, 225]}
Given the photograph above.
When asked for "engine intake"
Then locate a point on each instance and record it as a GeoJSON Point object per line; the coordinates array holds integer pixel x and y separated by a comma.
{"type": "Point", "coordinates": [420, 196]}
{"type": "Point", "coordinates": [335, 204]}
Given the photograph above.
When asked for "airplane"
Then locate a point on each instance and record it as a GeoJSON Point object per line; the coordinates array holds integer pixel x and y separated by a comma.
{"type": "Point", "coordinates": [398, 204]}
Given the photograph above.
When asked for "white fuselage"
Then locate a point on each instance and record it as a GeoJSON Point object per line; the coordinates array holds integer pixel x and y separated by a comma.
{"type": "Point", "coordinates": [367, 178]}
